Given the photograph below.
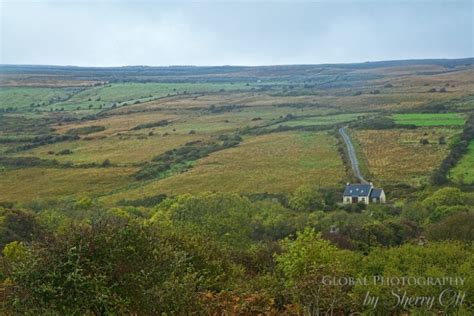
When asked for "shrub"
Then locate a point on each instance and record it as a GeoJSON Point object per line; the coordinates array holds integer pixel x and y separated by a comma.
{"type": "Point", "coordinates": [64, 152]}
{"type": "Point", "coordinates": [150, 125]}
{"type": "Point", "coordinates": [85, 130]}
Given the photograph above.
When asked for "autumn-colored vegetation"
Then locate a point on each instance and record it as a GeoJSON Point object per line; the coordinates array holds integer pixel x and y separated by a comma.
{"type": "Point", "coordinates": [216, 191]}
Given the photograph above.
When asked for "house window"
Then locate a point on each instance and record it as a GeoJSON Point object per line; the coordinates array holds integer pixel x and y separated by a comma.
{"type": "Point", "coordinates": [363, 199]}
{"type": "Point", "coordinates": [348, 199]}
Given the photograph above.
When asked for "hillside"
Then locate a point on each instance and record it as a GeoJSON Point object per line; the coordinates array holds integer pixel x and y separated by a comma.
{"type": "Point", "coordinates": [217, 190]}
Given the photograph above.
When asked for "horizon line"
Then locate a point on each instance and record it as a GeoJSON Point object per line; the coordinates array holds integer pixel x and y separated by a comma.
{"type": "Point", "coordinates": [240, 65]}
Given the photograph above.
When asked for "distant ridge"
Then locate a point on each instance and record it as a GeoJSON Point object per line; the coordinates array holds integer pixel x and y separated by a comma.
{"type": "Point", "coordinates": [367, 64]}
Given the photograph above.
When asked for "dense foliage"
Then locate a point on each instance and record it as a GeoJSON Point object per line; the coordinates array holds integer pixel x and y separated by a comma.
{"type": "Point", "coordinates": [457, 151]}
{"type": "Point", "coordinates": [217, 252]}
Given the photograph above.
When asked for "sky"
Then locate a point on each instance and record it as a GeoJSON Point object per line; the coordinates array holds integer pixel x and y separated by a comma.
{"type": "Point", "coordinates": [239, 32]}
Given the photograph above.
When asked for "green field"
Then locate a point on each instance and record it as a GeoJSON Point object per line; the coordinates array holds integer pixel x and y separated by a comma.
{"type": "Point", "coordinates": [436, 119]}
{"type": "Point", "coordinates": [210, 107]}
{"type": "Point", "coordinates": [273, 163]}
{"type": "Point", "coordinates": [130, 93]}
{"type": "Point", "coordinates": [463, 173]}
{"type": "Point", "coordinates": [29, 98]}
{"type": "Point", "coordinates": [45, 99]}
{"type": "Point", "coordinates": [397, 156]}
{"type": "Point", "coordinates": [49, 184]}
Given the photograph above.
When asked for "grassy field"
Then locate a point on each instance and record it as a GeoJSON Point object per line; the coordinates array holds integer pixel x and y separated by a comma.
{"type": "Point", "coordinates": [397, 156]}
{"type": "Point", "coordinates": [118, 149]}
{"type": "Point", "coordinates": [103, 96]}
{"type": "Point", "coordinates": [203, 109]}
{"type": "Point", "coordinates": [131, 93]}
{"type": "Point", "coordinates": [274, 163]}
{"type": "Point", "coordinates": [27, 98]}
{"type": "Point", "coordinates": [23, 185]}
{"type": "Point", "coordinates": [117, 123]}
{"type": "Point", "coordinates": [463, 173]}
{"type": "Point", "coordinates": [430, 119]}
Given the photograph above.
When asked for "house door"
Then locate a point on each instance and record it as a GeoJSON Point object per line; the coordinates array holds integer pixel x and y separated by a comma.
{"type": "Point", "coordinates": [354, 200]}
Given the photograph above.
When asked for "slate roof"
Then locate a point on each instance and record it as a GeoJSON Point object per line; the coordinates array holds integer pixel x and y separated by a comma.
{"type": "Point", "coordinates": [356, 190]}
{"type": "Point", "coordinates": [376, 193]}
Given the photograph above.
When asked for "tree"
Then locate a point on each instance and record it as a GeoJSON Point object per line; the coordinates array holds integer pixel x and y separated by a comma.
{"type": "Point", "coordinates": [106, 163]}
{"type": "Point", "coordinates": [442, 140]}
{"type": "Point", "coordinates": [19, 225]}
{"type": "Point", "coordinates": [225, 216]}
{"type": "Point", "coordinates": [305, 264]}
{"type": "Point", "coordinates": [306, 198]}
{"type": "Point", "coordinates": [108, 267]}
{"type": "Point", "coordinates": [458, 226]}
{"type": "Point", "coordinates": [447, 196]}
{"type": "Point", "coordinates": [433, 260]}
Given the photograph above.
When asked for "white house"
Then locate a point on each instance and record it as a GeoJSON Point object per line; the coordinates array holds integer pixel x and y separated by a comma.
{"type": "Point", "coordinates": [362, 193]}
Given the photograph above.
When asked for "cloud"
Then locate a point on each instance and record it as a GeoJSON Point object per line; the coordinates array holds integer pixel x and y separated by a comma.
{"type": "Point", "coordinates": [110, 33]}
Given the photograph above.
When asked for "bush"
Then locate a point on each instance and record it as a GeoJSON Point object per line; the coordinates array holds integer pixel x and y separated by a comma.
{"type": "Point", "coordinates": [113, 266]}
{"type": "Point", "coordinates": [85, 130]}
{"type": "Point", "coordinates": [19, 225]}
{"type": "Point", "coordinates": [183, 157]}
{"type": "Point", "coordinates": [459, 226]}
{"type": "Point", "coordinates": [106, 163]}
{"type": "Point", "coordinates": [304, 263]}
{"type": "Point", "coordinates": [150, 125]}
{"type": "Point", "coordinates": [64, 152]}
{"type": "Point", "coordinates": [376, 123]}
{"type": "Point", "coordinates": [457, 151]}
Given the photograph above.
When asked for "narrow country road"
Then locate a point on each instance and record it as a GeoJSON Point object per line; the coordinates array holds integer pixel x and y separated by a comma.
{"type": "Point", "coordinates": [352, 155]}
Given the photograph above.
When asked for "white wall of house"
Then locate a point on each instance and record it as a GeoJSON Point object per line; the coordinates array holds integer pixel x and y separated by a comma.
{"type": "Point", "coordinates": [361, 199]}
{"type": "Point", "coordinates": [346, 199]}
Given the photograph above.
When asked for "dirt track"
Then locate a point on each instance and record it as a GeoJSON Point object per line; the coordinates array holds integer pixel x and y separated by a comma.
{"type": "Point", "coordinates": [352, 155]}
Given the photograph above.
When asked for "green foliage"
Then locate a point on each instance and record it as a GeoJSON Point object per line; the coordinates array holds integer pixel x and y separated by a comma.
{"type": "Point", "coordinates": [18, 225]}
{"type": "Point", "coordinates": [64, 152]}
{"type": "Point", "coordinates": [224, 216]}
{"type": "Point", "coordinates": [23, 162]}
{"type": "Point", "coordinates": [463, 172]}
{"type": "Point", "coordinates": [86, 130]}
{"type": "Point", "coordinates": [434, 260]}
{"type": "Point", "coordinates": [46, 139]}
{"type": "Point", "coordinates": [444, 211]}
{"type": "Point", "coordinates": [182, 158]}
{"type": "Point", "coordinates": [150, 201]}
{"type": "Point", "coordinates": [379, 122]}
{"type": "Point", "coordinates": [152, 124]}
{"type": "Point", "coordinates": [223, 253]}
{"type": "Point", "coordinates": [444, 197]}
{"type": "Point", "coordinates": [458, 226]}
{"type": "Point", "coordinates": [15, 251]}
{"type": "Point", "coordinates": [107, 268]}
{"type": "Point", "coordinates": [183, 256]}
{"type": "Point", "coordinates": [457, 152]}
{"type": "Point", "coordinates": [306, 198]}
{"type": "Point", "coordinates": [305, 262]}
{"type": "Point", "coordinates": [273, 221]}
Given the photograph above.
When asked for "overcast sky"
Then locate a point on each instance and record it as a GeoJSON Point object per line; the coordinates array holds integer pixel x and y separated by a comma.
{"type": "Point", "coordinates": [116, 33]}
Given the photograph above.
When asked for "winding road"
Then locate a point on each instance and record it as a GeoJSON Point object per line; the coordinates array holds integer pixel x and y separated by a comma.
{"type": "Point", "coordinates": [352, 155]}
